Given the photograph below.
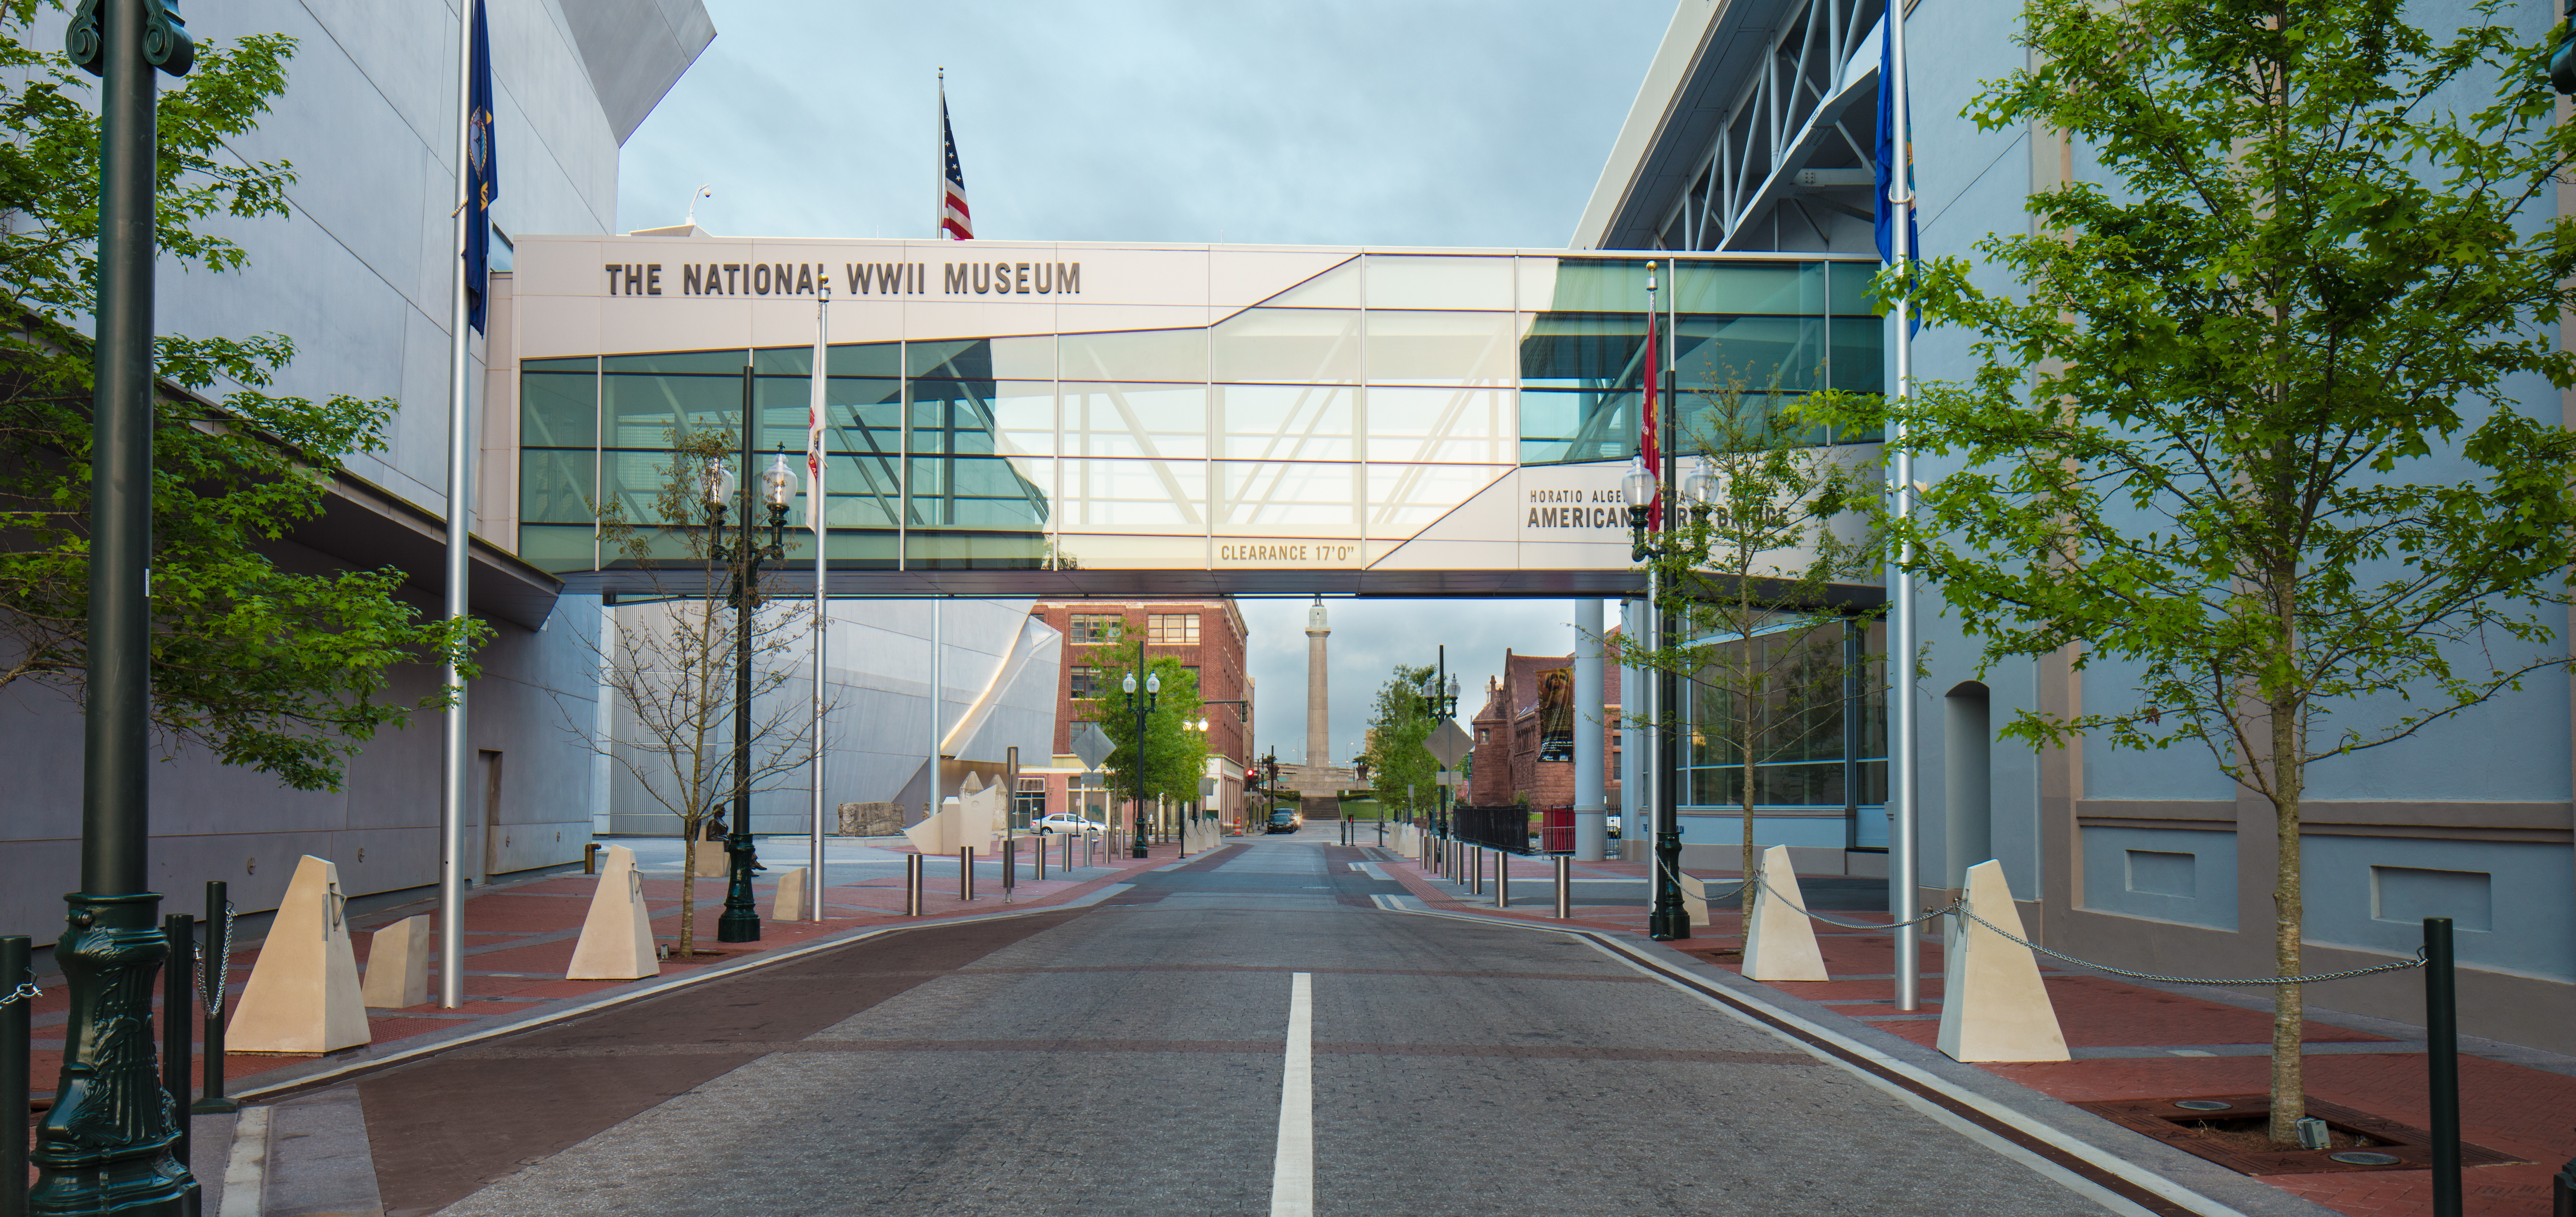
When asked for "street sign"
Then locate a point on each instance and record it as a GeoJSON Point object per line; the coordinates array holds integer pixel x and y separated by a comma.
{"type": "Point", "coordinates": [1449, 743]}
{"type": "Point", "coordinates": [1448, 777]}
{"type": "Point", "coordinates": [1091, 744]}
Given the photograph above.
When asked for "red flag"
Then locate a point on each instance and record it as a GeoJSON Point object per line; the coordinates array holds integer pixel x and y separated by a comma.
{"type": "Point", "coordinates": [1648, 443]}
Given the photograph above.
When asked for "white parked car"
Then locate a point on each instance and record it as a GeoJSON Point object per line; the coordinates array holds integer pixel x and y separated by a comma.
{"type": "Point", "coordinates": [1066, 821]}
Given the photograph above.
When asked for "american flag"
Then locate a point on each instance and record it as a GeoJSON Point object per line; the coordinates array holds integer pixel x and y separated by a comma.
{"type": "Point", "coordinates": [953, 217]}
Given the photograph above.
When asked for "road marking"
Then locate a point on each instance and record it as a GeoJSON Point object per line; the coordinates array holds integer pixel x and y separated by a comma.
{"type": "Point", "coordinates": [246, 1175]}
{"type": "Point", "coordinates": [1292, 1171]}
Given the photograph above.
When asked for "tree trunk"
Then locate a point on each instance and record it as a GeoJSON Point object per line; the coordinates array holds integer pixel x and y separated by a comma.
{"type": "Point", "coordinates": [2289, 772]}
{"type": "Point", "coordinates": [688, 889]}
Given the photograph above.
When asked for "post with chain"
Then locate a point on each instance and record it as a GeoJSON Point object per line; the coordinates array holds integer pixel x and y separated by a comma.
{"type": "Point", "coordinates": [2442, 1063]}
{"type": "Point", "coordinates": [104, 1146]}
{"type": "Point", "coordinates": [17, 991]}
{"type": "Point", "coordinates": [212, 972]}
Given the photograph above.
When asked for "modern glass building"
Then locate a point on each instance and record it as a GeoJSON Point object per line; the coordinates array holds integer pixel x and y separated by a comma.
{"type": "Point", "coordinates": [1062, 420]}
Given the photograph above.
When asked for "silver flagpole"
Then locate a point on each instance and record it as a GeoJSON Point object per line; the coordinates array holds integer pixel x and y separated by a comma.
{"type": "Point", "coordinates": [1903, 837]}
{"type": "Point", "coordinates": [814, 507]}
{"type": "Point", "coordinates": [460, 507]}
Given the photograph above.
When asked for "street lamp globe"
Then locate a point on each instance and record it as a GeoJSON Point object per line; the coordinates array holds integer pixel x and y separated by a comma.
{"type": "Point", "coordinates": [1637, 484]}
{"type": "Point", "coordinates": [1453, 686]}
{"type": "Point", "coordinates": [778, 482]}
{"type": "Point", "coordinates": [1701, 485]}
{"type": "Point", "coordinates": [715, 481]}
{"type": "Point", "coordinates": [1153, 683]}
{"type": "Point", "coordinates": [1128, 684]}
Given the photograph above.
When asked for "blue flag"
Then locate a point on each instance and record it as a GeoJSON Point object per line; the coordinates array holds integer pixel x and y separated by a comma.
{"type": "Point", "coordinates": [1884, 157]}
{"type": "Point", "coordinates": [482, 172]}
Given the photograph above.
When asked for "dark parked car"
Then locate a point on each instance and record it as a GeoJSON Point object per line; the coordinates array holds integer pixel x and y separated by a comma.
{"type": "Point", "coordinates": [1283, 819]}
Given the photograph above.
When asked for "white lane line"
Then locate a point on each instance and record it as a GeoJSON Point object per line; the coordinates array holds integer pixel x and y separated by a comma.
{"type": "Point", "coordinates": [1292, 1172]}
{"type": "Point", "coordinates": [246, 1175]}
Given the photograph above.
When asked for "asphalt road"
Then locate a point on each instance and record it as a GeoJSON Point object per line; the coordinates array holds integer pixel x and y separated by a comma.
{"type": "Point", "coordinates": [1131, 1059]}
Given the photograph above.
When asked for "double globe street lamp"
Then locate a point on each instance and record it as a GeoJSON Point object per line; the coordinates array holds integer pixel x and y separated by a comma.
{"type": "Point", "coordinates": [1144, 706]}
{"type": "Point", "coordinates": [740, 921]}
{"type": "Point", "coordinates": [1440, 700]}
{"type": "Point", "coordinates": [1669, 919]}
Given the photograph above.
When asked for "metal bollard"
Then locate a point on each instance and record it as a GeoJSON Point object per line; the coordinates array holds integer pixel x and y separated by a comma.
{"type": "Point", "coordinates": [1068, 855]}
{"type": "Point", "coordinates": [590, 858]}
{"type": "Point", "coordinates": [1010, 866]}
{"type": "Point", "coordinates": [912, 885]}
{"type": "Point", "coordinates": [1564, 888]}
{"type": "Point", "coordinates": [1502, 880]}
{"type": "Point", "coordinates": [179, 931]}
{"type": "Point", "coordinates": [1476, 871]}
{"type": "Point", "coordinates": [965, 872]}
{"type": "Point", "coordinates": [2442, 1063]}
{"type": "Point", "coordinates": [212, 975]}
{"type": "Point", "coordinates": [14, 1066]}
{"type": "Point", "coordinates": [1038, 856]}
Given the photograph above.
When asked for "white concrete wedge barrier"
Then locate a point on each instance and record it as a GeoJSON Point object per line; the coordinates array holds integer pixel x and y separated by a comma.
{"type": "Point", "coordinates": [617, 938]}
{"type": "Point", "coordinates": [303, 998]}
{"type": "Point", "coordinates": [398, 965]}
{"type": "Point", "coordinates": [1779, 941]}
{"type": "Point", "coordinates": [711, 861]}
{"type": "Point", "coordinates": [1994, 1007]}
{"type": "Point", "coordinates": [789, 903]}
{"type": "Point", "coordinates": [1694, 896]}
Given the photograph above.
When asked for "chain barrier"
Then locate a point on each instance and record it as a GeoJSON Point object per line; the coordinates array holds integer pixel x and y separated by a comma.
{"type": "Point", "coordinates": [1860, 925]}
{"type": "Point", "coordinates": [26, 991]}
{"type": "Point", "coordinates": [214, 968]}
{"type": "Point", "coordinates": [2311, 978]}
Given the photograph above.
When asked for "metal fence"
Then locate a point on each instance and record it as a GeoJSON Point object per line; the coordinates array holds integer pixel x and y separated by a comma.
{"type": "Point", "coordinates": [1503, 828]}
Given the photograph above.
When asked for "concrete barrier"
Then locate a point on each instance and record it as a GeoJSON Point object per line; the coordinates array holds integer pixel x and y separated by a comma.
{"type": "Point", "coordinates": [1994, 1006]}
{"type": "Point", "coordinates": [789, 902]}
{"type": "Point", "coordinates": [1779, 941]}
{"type": "Point", "coordinates": [397, 965]}
{"type": "Point", "coordinates": [303, 998]}
{"type": "Point", "coordinates": [617, 938]}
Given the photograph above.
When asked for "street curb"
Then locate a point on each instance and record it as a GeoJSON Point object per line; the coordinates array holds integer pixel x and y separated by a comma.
{"type": "Point", "coordinates": [2016, 1121]}
{"type": "Point", "coordinates": [415, 1050]}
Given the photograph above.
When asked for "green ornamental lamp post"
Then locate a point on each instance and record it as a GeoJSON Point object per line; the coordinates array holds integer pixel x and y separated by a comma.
{"type": "Point", "coordinates": [1669, 919]}
{"type": "Point", "coordinates": [1144, 706]}
{"type": "Point", "coordinates": [1440, 701]}
{"type": "Point", "coordinates": [107, 1144]}
{"type": "Point", "coordinates": [740, 921]}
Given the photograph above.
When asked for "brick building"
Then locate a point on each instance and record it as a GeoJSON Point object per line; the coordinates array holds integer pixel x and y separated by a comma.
{"type": "Point", "coordinates": [1206, 635]}
{"type": "Point", "coordinates": [1524, 733]}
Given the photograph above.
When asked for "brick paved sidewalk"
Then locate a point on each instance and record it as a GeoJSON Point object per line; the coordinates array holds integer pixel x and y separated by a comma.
{"type": "Point", "coordinates": [2139, 1041]}
{"type": "Point", "coordinates": [519, 939]}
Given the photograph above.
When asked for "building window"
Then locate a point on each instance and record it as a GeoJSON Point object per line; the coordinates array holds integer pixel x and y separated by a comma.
{"type": "Point", "coordinates": [1086, 684]}
{"type": "Point", "coordinates": [1172, 629]}
{"type": "Point", "coordinates": [1097, 627]}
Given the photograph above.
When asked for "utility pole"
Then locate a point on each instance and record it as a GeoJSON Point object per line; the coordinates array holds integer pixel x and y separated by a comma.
{"type": "Point", "coordinates": [106, 1144]}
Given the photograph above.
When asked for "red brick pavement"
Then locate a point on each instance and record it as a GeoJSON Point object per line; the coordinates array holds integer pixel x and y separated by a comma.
{"type": "Point", "coordinates": [2523, 1111]}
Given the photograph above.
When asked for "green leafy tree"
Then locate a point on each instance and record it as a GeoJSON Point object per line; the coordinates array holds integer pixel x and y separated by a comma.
{"type": "Point", "coordinates": [1401, 770]}
{"type": "Point", "coordinates": [1175, 752]}
{"type": "Point", "coordinates": [2243, 425]}
{"type": "Point", "coordinates": [278, 670]}
{"type": "Point", "coordinates": [1746, 578]}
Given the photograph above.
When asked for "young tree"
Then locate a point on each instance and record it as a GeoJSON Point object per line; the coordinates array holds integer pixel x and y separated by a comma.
{"type": "Point", "coordinates": [1747, 577]}
{"type": "Point", "coordinates": [1175, 753]}
{"type": "Point", "coordinates": [669, 665]}
{"type": "Point", "coordinates": [1397, 761]}
{"type": "Point", "coordinates": [2243, 423]}
{"type": "Point", "coordinates": [280, 671]}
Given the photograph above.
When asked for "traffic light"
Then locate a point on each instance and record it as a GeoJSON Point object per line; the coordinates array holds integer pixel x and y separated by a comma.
{"type": "Point", "coordinates": [2562, 58]}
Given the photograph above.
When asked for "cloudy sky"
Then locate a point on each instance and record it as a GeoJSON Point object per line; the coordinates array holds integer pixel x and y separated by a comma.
{"type": "Point", "coordinates": [1332, 122]}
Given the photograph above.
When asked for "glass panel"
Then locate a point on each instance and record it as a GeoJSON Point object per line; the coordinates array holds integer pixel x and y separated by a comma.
{"type": "Point", "coordinates": [1446, 347]}
{"type": "Point", "coordinates": [1283, 422]}
{"type": "Point", "coordinates": [556, 548]}
{"type": "Point", "coordinates": [1561, 427]}
{"type": "Point", "coordinates": [869, 549]}
{"type": "Point", "coordinates": [1142, 420]}
{"type": "Point", "coordinates": [785, 402]}
{"type": "Point", "coordinates": [867, 359]}
{"type": "Point", "coordinates": [1709, 352]}
{"type": "Point", "coordinates": [1155, 496]}
{"type": "Point", "coordinates": [1537, 284]}
{"type": "Point", "coordinates": [1258, 495]}
{"type": "Point", "coordinates": [1024, 417]}
{"type": "Point", "coordinates": [863, 416]}
{"type": "Point", "coordinates": [643, 411]}
{"type": "Point", "coordinates": [580, 363]}
{"type": "Point", "coordinates": [1180, 355]}
{"type": "Point", "coordinates": [559, 409]}
{"type": "Point", "coordinates": [1453, 425]}
{"type": "Point", "coordinates": [1404, 498]}
{"type": "Point", "coordinates": [1405, 281]}
{"type": "Point", "coordinates": [1580, 384]}
{"type": "Point", "coordinates": [1593, 285]}
{"type": "Point", "coordinates": [973, 551]}
{"type": "Point", "coordinates": [1289, 345]}
{"type": "Point", "coordinates": [966, 360]}
{"type": "Point", "coordinates": [696, 362]}
{"type": "Point", "coordinates": [969, 491]}
{"type": "Point", "coordinates": [1335, 288]}
{"type": "Point", "coordinates": [1850, 286]}
{"type": "Point", "coordinates": [556, 484]}
{"type": "Point", "coordinates": [1739, 287]}
{"type": "Point", "coordinates": [1024, 358]}
{"type": "Point", "coordinates": [862, 492]}
{"type": "Point", "coordinates": [783, 361]}
{"type": "Point", "coordinates": [1859, 360]}
{"type": "Point", "coordinates": [635, 477]}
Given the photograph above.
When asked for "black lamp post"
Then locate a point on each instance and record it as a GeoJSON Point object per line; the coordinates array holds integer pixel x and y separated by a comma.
{"type": "Point", "coordinates": [106, 1145]}
{"type": "Point", "coordinates": [1669, 919]}
{"type": "Point", "coordinates": [740, 921]}
{"type": "Point", "coordinates": [1440, 701]}
{"type": "Point", "coordinates": [1144, 706]}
